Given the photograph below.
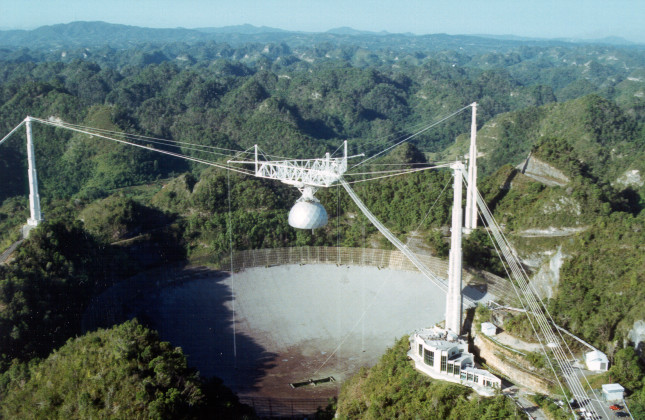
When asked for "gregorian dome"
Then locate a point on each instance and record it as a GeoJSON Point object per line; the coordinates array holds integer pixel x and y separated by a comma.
{"type": "Point", "coordinates": [307, 214]}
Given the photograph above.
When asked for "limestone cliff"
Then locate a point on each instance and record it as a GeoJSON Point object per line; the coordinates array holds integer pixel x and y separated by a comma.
{"type": "Point", "coordinates": [543, 172]}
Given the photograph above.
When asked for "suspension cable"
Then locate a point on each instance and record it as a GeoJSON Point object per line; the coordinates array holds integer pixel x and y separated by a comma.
{"type": "Point", "coordinates": [412, 136]}
{"type": "Point", "coordinates": [12, 131]}
{"type": "Point", "coordinates": [409, 171]}
{"type": "Point", "coordinates": [179, 155]}
{"type": "Point", "coordinates": [540, 314]}
{"type": "Point", "coordinates": [130, 135]}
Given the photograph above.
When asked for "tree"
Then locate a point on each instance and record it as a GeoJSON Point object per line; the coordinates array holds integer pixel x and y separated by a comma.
{"type": "Point", "coordinates": [122, 372]}
{"type": "Point", "coordinates": [627, 369]}
{"type": "Point", "coordinates": [44, 290]}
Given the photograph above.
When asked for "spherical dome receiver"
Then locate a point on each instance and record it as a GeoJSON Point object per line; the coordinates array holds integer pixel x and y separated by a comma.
{"type": "Point", "coordinates": [307, 214]}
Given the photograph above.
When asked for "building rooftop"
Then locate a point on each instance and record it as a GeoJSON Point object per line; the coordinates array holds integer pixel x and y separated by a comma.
{"type": "Point", "coordinates": [480, 372]}
{"type": "Point", "coordinates": [612, 388]}
{"type": "Point", "coordinates": [435, 338]}
{"type": "Point", "coordinates": [596, 355]}
{"type": "Point", "coordinates": [461, 357]}
{"type": "Point", "coordinates": [436, 333]}
{"type": "Point", "coordinates": [440, 345]}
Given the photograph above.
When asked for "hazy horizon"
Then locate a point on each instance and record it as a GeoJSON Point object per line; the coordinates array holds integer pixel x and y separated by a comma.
{"type": "Point", "coordinates": [549, 19]}
{"type": "Point", "coordinates": [493, 35]}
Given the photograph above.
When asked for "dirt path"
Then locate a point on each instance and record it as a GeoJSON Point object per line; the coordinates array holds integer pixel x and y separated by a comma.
{"type": "Point", "coordinates": [551, 232]}
{"type": "Point", "coordinates": [516, 343]}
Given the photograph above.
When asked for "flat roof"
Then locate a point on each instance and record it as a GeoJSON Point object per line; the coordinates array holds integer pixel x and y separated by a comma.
{"type": "Point", "coordinates": [612, 388]}
{"type": "Point", "coordinates": [462, 357]}
{"type": "Point", "coordinates": [440, 345]}
{"type": "Point", "coordinates": [596, 355]}
{"type": "Point", "coordinates": [480, 372]}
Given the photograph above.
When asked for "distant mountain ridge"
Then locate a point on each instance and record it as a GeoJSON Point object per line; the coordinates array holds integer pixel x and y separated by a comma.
{"type": "Point", "coordinates": [247, 29]}
{"type": "Point", "coordinates": [346, 30]}
{"type": "Point", "coordinates": [93, 34]}
{"type": "Point", "coordinates": [610, 40]}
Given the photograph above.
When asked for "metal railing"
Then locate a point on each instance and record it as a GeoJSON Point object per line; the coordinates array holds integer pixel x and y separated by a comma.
{"type": "Point", "coordinates": [286, 408]}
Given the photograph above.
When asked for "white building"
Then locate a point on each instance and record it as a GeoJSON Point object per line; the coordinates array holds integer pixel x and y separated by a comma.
{"type": "Point", "coordinates": [612, 392]}
{"type": "Point", "coordinates": [441, 354]}
{"type": "Point", "coordinates": [489, 328]}
{"type": "Point", "coordinates": [597, 361]}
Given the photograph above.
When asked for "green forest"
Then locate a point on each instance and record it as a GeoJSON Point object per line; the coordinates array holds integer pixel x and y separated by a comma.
{"type": "Point", "coordinates": [113, 211]}
{"type": "Point", "coordinates": [394, 389]}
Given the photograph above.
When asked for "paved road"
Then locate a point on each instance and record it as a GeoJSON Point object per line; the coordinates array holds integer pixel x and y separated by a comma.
{"type": "Point", "coordinates": [532, 410]}
{"type": "Point", "coordinates": [525, 404]}
{"type": "Point", "coordinates": [5, 255]}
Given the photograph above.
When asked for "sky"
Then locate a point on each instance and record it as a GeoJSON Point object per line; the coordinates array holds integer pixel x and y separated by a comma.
{"type": "Point", "coordinates": [530, 18]}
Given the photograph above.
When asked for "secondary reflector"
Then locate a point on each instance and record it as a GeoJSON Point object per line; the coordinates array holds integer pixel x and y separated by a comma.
{"type": "Point", "coordinates": [307, 214]}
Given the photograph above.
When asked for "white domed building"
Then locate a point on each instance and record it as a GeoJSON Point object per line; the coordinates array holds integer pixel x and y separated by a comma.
{"type": "Point", "coordinates": [307, 213]}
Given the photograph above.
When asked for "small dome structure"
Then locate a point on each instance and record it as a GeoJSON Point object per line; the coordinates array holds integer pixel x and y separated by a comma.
{"type": "Point", "coordinates": [307, 214]}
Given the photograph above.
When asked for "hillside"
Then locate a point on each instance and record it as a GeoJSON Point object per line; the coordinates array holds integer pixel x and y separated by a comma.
{"type": "Point", "coordinates": [600, 236]}
{"type": "Point", "coordinates": [606, 137]}
{"type": "Point", "coordinates": [113, 211]}
{"type": "Point", "coordinates": [394, 389]}
{"type": "Point", "coordinates": [123, 372]}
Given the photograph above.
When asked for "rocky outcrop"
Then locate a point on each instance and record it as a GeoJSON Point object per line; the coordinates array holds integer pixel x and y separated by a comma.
{"type": "Point", "coordinates": [547, 278]}
{"type": "Point", "coordinates": [543, 172]}
{"type": "Point", "coordinates": [637, 336]}
{"type": "Point", "coordinates": [630, 178]}
{"type": "Point", "coordinates": [510, 365]}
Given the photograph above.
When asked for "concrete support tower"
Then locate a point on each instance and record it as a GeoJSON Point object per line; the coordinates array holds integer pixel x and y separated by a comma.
{"type": "Point", "coordinates": [471, 193]}
{"type": "Point", "coordinates": [34, 198]}
{"type": "Point", "coordinates": [454, 299]}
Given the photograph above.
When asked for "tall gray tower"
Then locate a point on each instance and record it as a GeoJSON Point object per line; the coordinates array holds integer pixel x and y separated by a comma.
{"type": "Point", "coordinates": [471, 192]}
{"type": "Point", "coordinates": [36, 216]}
{"type": "Point", "coordinates": [454, 299]}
